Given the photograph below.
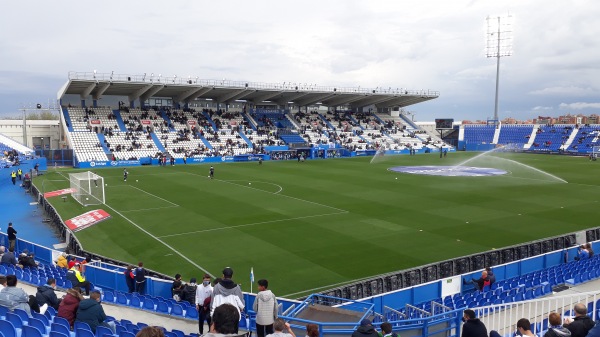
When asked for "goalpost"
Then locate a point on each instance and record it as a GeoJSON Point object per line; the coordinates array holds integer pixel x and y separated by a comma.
{"type": "Point", "coordinates": [595, 152]}
{"type": "Point", "coordinates": [88, 188]}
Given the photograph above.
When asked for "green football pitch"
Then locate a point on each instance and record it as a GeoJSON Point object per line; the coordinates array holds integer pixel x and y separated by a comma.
{"type": "Point", "coordinates": [311, 226]}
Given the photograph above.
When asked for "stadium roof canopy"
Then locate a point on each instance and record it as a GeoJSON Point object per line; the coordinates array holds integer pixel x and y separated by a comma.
{"type": "Point", "coordinates": [184, 90]}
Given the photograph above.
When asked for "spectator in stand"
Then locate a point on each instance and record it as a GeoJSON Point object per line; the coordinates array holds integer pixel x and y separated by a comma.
{"type": "Point", "coordinates": [312, 330]}
{"type": "Point", "coordinates": [581, 324]}
{"type": "Point", "coordinates": [72, 260]}
{"type": "Point", "coordinates": [77, 279]}
{"type": "Point", "coordinates": [225, 322]}
{"type": "Point", "coordinates": [555, 329]}
{"type": "Point", "coordinates": [189, 292]}
{"type": "Point", "coordinates": [472, 327]}
{"type": "Point", "coordinates": [150, 331]}
{"type": "Point", "coordinates": [46, 295]}
{"type": "Point", "coordinates": [91, 312]}
{"type": "Point", "coordinates": [227, 291]}
{"type": "Point", "coordinates": [140, 278]}
{"type": "Point", "coordinates": [386, 330]}
{"type": "Point", "coordinates": [62, 262]}
{"type": "Point", "coordinates": [365, 329]}
{"type": "Point", "coordinates": [481, 282]}
{"type": "Point", "coordinates": [588, 247]}
{"type": "Point", "coordinates": [177, 288]}
{"type": "Point", "coordinates": [13, 297]}
{"type": "Point", "coordinates": [2, 282]}
{"type": "Point", "coordinates": [129, 279]}
{"type": "Point", "coordinates": [69, 305]}
{"type": "Point", "coordinates": [9, 258]}
{"type": "Point", "coordinates": [203, 295]}
{"type": "Point", "coordinates": [12, 236]}
{"type": "Point", "coordinates": [582, 253]}
{"type": "Point", "coordinates": [523, 329]}
{"type": "Point", "coordinates": [491, 275]}
{"type": "Point", "coordinates": [595, 331]}
{"type": "Point", "coordinates": [265, 306]}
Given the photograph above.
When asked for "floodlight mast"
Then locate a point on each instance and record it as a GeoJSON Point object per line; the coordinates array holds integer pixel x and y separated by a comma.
{"type": "Point", "coordinates": [499, 44]}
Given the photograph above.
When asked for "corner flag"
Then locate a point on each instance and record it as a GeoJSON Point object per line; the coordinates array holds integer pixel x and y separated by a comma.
{"type": "Point", "coordinates": [252, 274]}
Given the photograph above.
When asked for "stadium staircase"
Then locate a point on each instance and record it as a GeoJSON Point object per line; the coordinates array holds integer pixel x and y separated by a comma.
{"type": "Point", "coordinates": [163, 114]}
{"type": "Point", "coordinates": [359, 136]}
{"type": "Point", "coordinates": [204, 141]}
{"type": "Point", "coordinates": [250, 120]}
{"type": "Point", "coordinates": [569, 141]}
{"type": "Point", "coordinates": [102, 140]}
{"type": "Point", "coordinates": [329, 125]}
{"type": "Point", "coordinates": [67, 118]}
{"type": "Point", "coordinates": [497, 134]}
{"type": "Point", "coordinates": [157, 142]}
{"type": "Point", "coordinates": [243, 136]}
{"type": "Point", "coordinates": [214, 126]}
{"type": "Point", "coordinates": [532, 137]}
{"type": "Point", "coordinates": [119, 119]}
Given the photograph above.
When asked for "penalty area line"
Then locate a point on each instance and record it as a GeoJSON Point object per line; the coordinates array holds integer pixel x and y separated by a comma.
{"type": "Point", "coordinates": [252, 224]}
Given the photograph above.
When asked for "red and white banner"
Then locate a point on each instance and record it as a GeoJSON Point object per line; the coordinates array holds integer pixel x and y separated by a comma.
{"type": "Point", "coordinates": [96, 122]}
{"type": "Point", "coordinates": [87, 219]}
{"type": "Point", "coordinates": [191, 122]}
{"type": "Point", "coordinates": [59, 192]}
{"type": "Point", "coordinates": [146, 122]}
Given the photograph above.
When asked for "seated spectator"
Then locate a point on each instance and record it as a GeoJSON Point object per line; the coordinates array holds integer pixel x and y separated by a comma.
{"type": "Point", "coordinates": [13, 297]}
{"type": "Point", "coordinates": [91, 312]}
{"type": "Point", "coordinates": [177, 288]}
{"type": "Point", "coordinates": [555, 329]}
{"type": "Point", "coordinates": [9, 258]}
{"type": "Point", "coordinates": [150, 331]}
{"type": "Point", "coordinates": [46, 295]}
{"type": "Point", "coordinates": [472, 327]}
{"type": "Point", "coordinates": [225, 322]}
{"type": "Point", "coordinates": [69, 305]}
{"type": "Point", "coordinates": [582, 253]}
{"type": "Point", "coordinates": [280, 326]}
{"type": "Point", "coordinates": [581, 324]}
{"type": "Point", "coordinates": [77, 280]}
{"type": "Point", "coordinates": [481, 282]}
{"type": "Point", "coordinates": [62, 262]}
{"type": "Point", "coordinates": [365, 329]}
{"type": "Point", "coordinates": [491, 275]}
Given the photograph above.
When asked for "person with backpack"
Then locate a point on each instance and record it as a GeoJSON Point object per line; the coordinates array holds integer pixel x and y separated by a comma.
{"type": "Point", "coordinates": [140, 278]}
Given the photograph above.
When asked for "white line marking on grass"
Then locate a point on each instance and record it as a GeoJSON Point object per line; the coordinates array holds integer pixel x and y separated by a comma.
{"type": "Point", "coordinates": [147, 209]}
{"type": "Point", "coordinates": [157, 239]}
{"type": "Point", "coordinates": [283, 195]}
{"type": "Point", "coordinates": [156, 196]}
{"type": "Point", "coordinates": [251, 224]}
{"type": "Point", "coordinates": [258, 181]}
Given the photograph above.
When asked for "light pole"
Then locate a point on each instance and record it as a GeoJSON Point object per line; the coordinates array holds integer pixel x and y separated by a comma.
{"type": "Point", "coordinates": [499, 43]}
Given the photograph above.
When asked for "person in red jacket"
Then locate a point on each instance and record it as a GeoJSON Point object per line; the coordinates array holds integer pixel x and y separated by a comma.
{"type": "Point", "coordinates": [69, 305]}
{"type": "Point", "coordinates": [129, 278]}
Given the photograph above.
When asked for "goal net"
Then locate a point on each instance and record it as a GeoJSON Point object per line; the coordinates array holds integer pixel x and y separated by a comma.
{"type": "Point", "coordinates": [88, 188]}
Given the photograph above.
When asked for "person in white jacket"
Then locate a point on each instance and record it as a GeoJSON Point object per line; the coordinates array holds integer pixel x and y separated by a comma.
{"type": "Point", "coordinates": [265, 306]}
{"type": "Point", "coordinates": [203, 295]}
{"type": "Point", "coordinates": [227, 291]}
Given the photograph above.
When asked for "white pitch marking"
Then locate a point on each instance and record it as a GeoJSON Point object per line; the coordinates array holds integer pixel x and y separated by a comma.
{"type": "Point", "coordinates": [250, 224]}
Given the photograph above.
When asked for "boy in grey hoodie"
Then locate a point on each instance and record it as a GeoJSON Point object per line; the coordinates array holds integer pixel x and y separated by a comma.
{"type": "Point", "coordinates": [265, 306]}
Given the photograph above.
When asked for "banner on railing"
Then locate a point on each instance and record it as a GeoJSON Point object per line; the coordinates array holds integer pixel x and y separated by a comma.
{"type": "Point", "coordinates": [87, 219]}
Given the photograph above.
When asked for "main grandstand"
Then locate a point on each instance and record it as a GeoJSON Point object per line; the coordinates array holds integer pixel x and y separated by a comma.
{"type": "Point", "coordinates": [214, 121]}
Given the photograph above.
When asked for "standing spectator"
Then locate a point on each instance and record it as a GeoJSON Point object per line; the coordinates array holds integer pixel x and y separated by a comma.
{"type": "Point", "coordinates": [69, 305]}
{"type": "Point", "coordinates": [203, 295]}
{"type": "Point", "coordinates": [9, 258]}
{"type": "Point", "coordinates": [225, 322]}
{"type": "Point", "coordinates": [472, 327]}
{"type": "Point", "coordinates": [555, 329]}
{"type": "Point", "coordinates": [524, 327]}
{"type": "Point", "coordinates": [71, 262]}
{"type": "Point", "coordinates": [91, 312]}
{"type": "Point", "coordinates": [386, 330]}
{"type": "Point", "coordinates": [581, 324]}
{"type": "Point", "coordinates": [77, 280]}
{"type": "Point", "coordinates": [46, 295]}
{"type": "Point", "coordinates": [312, 330]}
{"type": "Point", "coordinates": [177, 288]}
{"type": "Point", "coordinates": [12, 236]}
{"type": "Point", "coordinates": [129, 279]}
{"type": "Point", "coordinates": [365, 329]}
{"type": "Point", "coordinates": [227, 291]}
{"type": "Point", "coordinates": [595, 331]}
{"type": "Point", "coordinates": [140, 278]}
{"type": "Point", "coordinates": [13, 297]}
{"type": "Point", "coordinates": [189, 292]}
{"type": "Point", "coordinates": [13, 177]}
{"type": "Point", "coordinates": [265, 306]}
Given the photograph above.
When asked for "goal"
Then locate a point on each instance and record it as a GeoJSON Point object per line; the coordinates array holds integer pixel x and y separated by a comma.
{"type": "Point", "coordinates": [88, 188]}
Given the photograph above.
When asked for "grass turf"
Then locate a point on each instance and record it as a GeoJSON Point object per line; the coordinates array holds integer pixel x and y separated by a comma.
{"type": "Point", "coordinates": [318, 224]}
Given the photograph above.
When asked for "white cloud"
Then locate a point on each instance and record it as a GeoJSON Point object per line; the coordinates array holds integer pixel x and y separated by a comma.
{"type": "Point", "coordinates": [565, 91]}
{"type": "Point", "coordinates": [542, 108]}
{"type": "Point", "coordinates": [579, 105]}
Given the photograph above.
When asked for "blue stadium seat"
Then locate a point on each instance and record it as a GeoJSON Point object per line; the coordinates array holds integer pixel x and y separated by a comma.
{"type": "Point", "coordinates": [8, 329]}
{"type": "Point", "coordinates": [3, 311]}
{"type": "Point", "coordinates": [102, 331]}
{"type": "Point", "coordinates": [61, 328]}
{"type": "Point", "coordinates": [79, 332]}
{"type": "Point", "coordinates": [81, 325]}
{"type": "Point", "coordinates": [191, 313]}
{"type": "Point", "coordinates": [16, 321]}
{"type": "Point", "coordinates": [57, 334]}
{"type": "Point", "coordinates": [41, 317]}
{"type": "Point", "coordinates": [38, 324]}
{"type": "Point", "coordinates": [62, 321]}
{"type": "Point", "coordinates": [23, 314]}
{"type": "Point", "coordinates": [108, 296]}
{"type": "Point", "coordinates": [162, 307]}
{"type": "Point", "coordinates": [177, 310]}
{"type": "Point", "coordinates": [135, 302]}
{"type": "Point", "coordinates": [30, 331]}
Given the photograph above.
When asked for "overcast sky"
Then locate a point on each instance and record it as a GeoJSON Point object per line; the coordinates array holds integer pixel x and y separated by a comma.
{"type": "Point", "coordinates": [436, 45]}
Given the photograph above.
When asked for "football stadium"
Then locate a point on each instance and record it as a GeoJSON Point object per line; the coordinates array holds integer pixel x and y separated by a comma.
{"type": "Point", "coordinates": [353, 213]}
